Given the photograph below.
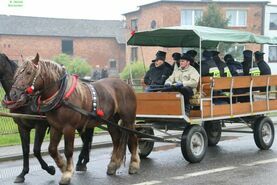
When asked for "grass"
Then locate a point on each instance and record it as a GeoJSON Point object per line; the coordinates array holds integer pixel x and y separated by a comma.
{"type": "Point", "coordinates": [14, 139]}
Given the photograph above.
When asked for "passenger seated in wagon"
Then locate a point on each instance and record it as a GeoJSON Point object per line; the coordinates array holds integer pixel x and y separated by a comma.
{"type": "Point", "coordinates": [184, 80]}
{"type": "Point", "coordinates": [155, 77]}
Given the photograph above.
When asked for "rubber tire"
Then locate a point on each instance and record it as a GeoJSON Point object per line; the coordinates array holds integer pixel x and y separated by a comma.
{"type": "Point", "coordinates": [213, 130]}
{"type": "Point", "coordinates": [145, 147]}
{"type": "Point", "coordinates": [257, 129]}
{"type": "Point", "coordinates": [186, 140]}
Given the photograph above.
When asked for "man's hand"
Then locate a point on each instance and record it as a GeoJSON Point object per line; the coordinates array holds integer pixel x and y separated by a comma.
{"type": "Point", "coordinates": [167, 85]}
{"type": "Point", "coordinates": [179, 85]}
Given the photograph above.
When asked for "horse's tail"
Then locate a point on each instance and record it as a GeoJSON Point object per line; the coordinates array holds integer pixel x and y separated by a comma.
{"type": "Point", "coordinates": [123, 142]}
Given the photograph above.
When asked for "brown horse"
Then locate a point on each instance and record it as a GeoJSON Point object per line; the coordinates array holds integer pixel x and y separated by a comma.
{"type": "Point", "coordinates": [7, 71]}
{"type": "Point", "coordinates": [51, 86]}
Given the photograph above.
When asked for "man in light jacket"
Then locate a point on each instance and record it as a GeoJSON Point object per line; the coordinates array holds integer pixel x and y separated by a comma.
{"type": "Point", "coordinates": [184, 80]}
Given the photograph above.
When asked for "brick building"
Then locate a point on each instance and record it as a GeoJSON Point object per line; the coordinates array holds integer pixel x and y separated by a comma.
{"type": "Point", "coordinates": [245, 15]}
{"type": "Point", "coordinates": [100, 42]}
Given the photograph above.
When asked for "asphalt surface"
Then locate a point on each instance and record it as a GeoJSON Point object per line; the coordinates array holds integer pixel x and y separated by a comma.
{"type": "Point", "coordinates": [236, 160]}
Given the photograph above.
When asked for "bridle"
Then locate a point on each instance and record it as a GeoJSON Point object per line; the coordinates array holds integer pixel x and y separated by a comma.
{"type": "Point", "coordinates": [30, 89]}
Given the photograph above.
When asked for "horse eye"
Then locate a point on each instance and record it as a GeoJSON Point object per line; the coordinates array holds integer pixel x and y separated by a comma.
{"type": "Point", "coordinates": [29, 72]}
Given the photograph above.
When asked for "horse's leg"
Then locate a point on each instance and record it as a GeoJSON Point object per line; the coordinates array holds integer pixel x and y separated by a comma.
{"type": "Point", "coordinates": [55, 137]}
{"type": "Point", "coordinates": [39, 136]}
{"type": "Point", "coordinates": [69, 135]}
{"type": "Point", "coordinates": [86, 137]}
{"type": "Point", "coordinates": [25, 143]}
{"type": "Point", "coordinates": [128, 121]}
{"type": "Point", "coordinates": [117, 154]}
{"type": "Point", "coordinates": [135, 159]}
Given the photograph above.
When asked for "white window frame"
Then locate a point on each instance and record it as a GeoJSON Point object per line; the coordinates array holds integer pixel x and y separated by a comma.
{"type": "Point", "coordinates": [193, 15]}
{"type": "Point", "coordinates": [237, 17]}
{"type": "Point", "coordinates": [271, 61]}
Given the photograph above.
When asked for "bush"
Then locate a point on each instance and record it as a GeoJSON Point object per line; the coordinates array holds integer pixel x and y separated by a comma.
{"type": "Point", "coordinates": [136, 68]}
{"type": "Point", "coordinates": [74, 65]}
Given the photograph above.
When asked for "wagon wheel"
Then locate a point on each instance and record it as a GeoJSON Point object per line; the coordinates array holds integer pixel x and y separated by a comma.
{"type": "Point", "coordinates": [194, 143]}
{"type": "Point", "coordinates": [263, 129]}
{"type": "Point", "coordinates": [213, 130]}
{"type": "Point", "coordinates": [145, 147]}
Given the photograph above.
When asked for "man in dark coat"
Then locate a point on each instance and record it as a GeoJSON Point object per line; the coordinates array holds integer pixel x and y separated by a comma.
{"type": "Point", "coordinates": [156, 76]}
{"type": "Point", "coordinates": [263, 66]}
{"type": "Point", "coordinates": [249, 68]}
{"type": "Point", "coordinates": [208, 66]}
{"type": "Point", "coordinates": [193, 54]}
{"type": "Point", "coordinates": [223, 68]}
{"type": "Point", "coordinates": [234, 66]}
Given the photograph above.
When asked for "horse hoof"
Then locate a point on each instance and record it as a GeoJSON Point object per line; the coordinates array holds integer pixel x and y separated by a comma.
{"type": "Point", "coordinates": [65, 181]}
{"type": "Point", "coordinates": [81, 168]}
{"type": "Point", "coordinates": [51, 170]}
{"type": "Point", "coordinates": [19, 179]}
{"type": "Point", "coordinates": [133, 170]}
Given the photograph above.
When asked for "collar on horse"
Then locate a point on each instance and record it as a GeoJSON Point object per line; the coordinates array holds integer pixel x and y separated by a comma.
{"type": "Point", "coordinates": [54, 101]}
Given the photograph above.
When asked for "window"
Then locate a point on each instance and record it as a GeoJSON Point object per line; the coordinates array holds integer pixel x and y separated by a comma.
{"type": "Point", "coordinates": [272, 54]}
{"type": "Point", "coordinates": [112, 64]}
{"type": "Point", "coordinates": [67, 47]}
{"type": "Point", "coordinates": [190, 17]}
{"type": "Point", "coordinates": [134, 25]}
{"type": "Point", "coordinates": [236, 17]}
{"type": "Point", "coordinates": [273, 21]}
{"type": "Point", "coordinates": [134, 54]}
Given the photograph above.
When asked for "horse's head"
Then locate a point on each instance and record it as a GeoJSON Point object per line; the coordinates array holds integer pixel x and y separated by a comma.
{"type": "Point", "coordinates": [27, 81]}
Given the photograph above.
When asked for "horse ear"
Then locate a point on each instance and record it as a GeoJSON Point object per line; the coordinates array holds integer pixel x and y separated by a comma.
{"type": "Point", "coordinates": [36, 59]}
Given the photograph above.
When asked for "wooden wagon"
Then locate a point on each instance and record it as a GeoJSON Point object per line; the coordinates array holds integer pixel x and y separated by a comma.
{"type": "Point", "coordinates": [165, 110]}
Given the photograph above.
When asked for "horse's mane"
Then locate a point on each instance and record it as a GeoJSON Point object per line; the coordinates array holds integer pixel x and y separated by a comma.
{"type": "Point", "coordinates": [48, 68]}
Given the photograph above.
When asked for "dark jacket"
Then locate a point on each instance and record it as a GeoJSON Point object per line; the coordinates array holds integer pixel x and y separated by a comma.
{"type": "Point", "coordinates": [264, 68]}
{"type": "Point", "coordinates": [235, 67]}
{"type": "Point", "coordinates": [246, 65]}
{"type": "Point", "coordinates": [157, 75]}
{"type": "Point", "coordinates": [207, 66]}
{"type": "Point", "coordinates": [221, 66]}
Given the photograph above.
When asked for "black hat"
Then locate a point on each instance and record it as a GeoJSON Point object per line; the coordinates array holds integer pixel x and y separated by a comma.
{"type": "Point", "coordinates": [228, 57]}
{"type": "Point", "coordinates": [186, 56]}
{"type": "Point", "coordinates": [160, 55]}
{"type": "Point", "coordinates": [176, 56]}
{"type": "Point", "coordinates": [247, 53]}
{"type": "Point", "coordinates": [192, 53]}
{"type": "Point", "coordinates": [215, 53]}
{"type": "Point", "coordinates": [207, 54]}
{"type": "Point", "coordinates": [258, 54]}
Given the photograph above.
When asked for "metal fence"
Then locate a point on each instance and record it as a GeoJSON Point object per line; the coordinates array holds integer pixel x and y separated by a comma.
{"type": "Point", "coordinates": [7, 125]}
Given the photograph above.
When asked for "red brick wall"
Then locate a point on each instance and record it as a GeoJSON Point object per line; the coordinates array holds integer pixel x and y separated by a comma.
{"type": "Point", "coordinates": [169, 14]}
{"type": "Point", "coordinates": [97, 51]}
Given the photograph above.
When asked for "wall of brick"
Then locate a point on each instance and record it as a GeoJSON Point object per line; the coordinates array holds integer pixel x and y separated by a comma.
{"type": "Point", "coordinates": [169, 14]}
{"type": "Point", "coordinates": [97, 51]}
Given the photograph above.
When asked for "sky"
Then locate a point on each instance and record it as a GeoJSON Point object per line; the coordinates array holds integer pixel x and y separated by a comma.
{"type": "Point", "coordinates": [78, 9]}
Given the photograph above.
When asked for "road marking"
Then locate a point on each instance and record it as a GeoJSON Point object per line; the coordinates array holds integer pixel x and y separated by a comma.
{"type": "Point", "coordinates": [149, 183]}
{"type": "Point", "coordinates": [261, 162]}
{"type": "Point", "coordinates": [195, 174]}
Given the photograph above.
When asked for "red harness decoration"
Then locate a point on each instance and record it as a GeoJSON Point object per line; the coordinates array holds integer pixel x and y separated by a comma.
{"type": "Point", "coordinates": [72, 88]}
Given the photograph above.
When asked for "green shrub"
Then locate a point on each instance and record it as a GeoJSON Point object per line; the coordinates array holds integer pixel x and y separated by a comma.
{"type": "Point", "coordinates": [74, 65]}
{"type": "Point", "coordinates": [137, 69]}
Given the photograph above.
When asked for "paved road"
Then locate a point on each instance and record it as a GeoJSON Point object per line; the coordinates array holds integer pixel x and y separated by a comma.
{"type": "Point", "coordinates": [236, 160]}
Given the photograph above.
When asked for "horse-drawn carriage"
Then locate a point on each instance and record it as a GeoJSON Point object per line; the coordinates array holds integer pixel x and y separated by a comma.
{"type": "Point", "coordinates": [165, 110]}
{"type": "Point", "coordinates": [70, 104]}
